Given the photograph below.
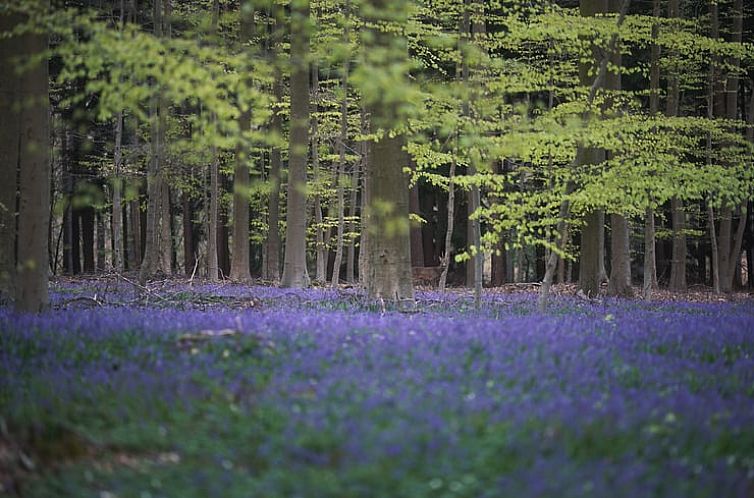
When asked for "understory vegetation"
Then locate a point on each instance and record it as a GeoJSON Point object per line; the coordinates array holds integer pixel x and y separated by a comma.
{"type": "Point", "coordinates": [232, 390]}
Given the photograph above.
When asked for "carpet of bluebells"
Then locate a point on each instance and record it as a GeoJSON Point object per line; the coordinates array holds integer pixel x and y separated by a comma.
{"type": "Point", "coordinates": [235, 391]}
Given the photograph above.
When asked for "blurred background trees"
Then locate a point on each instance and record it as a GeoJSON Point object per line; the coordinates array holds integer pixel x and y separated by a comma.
{"type": "Point", "coordinates": [274, 139]}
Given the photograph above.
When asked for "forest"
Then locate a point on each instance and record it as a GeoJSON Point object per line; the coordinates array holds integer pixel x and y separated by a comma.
{"type": "Point", "coordinates": [377, 248]}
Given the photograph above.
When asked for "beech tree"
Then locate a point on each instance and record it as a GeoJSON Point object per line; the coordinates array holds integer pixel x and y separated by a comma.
{"type": "Point", "coordinates": [295, 273]}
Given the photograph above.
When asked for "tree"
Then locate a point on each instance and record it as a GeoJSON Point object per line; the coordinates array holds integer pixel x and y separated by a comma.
{"type": "Point", "coordinates": [34, 173]}
{"type": "Point", "coordinates": [389, 248]}
{"type": "Point", "coordinates": [239, 264]}
{"type": "Point", "coordinates": [294, 264]}
{"type": "Point", "coordinates": [592, 232]}
{"type": "Point", "coordinates": [10, 49]}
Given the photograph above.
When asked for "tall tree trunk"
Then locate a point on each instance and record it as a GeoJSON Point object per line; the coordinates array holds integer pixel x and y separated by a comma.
{"type": "Point", "coordinates": [620, 249]}
{"type": "Point", "coordinates": [273, 206]}
{"type": "Point", "coordinates": [591, 267]}
{"type": "Point", "coordinates": [10, 135]}
{"type": "Point", "coordinates": [213, 270]}
{"type": "Point", "coordinates": [364, 233]}
{"type": "Point", "coordinates": [34, 178]}
{"type": "Point", "coordinates": [341, 174]}
{"type": "Point", "coordinates": [445, 264]}
{"type": "Point", "coordinates": [294, 263]}
{"type": "Point", "coordinates": [729, 245]}
{"type": "Point", "coordinates": [165, 236]}
{"type": "Point", "coordinates": [678, 215]}
{"type": "Point", "coordinates": [353, 225]}
{"type": "Point", "coordinates": [389, 256]}
{"type": "Point", "coordinates": [152, 259]}
{"type": "Point", "coordinates": [711, 108]}
{"type": "Point", "coordinates": [322, 235]}
{"type": "Point", "coordinates": [650, 266]}
{"type": "Point", "coordinates": [117, 213]}
{"type": "Point", "coordinates": [239, 264]}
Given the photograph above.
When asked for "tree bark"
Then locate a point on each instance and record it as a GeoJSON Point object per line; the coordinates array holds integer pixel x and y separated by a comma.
{"type": "Point", "coordinates": [152, 259]}
{"type": "Point", "coordinates": [117, 213]}
{"type": "Point", "coordinates": [273, 206]}
{"type": "Point", "coordinates": [239, 263]}
{"type": "Point", "coordinates": [322, 235]}
{"type": "Point", "coordinates": [353, 225]}
{"type": "Point", "coordinates": [445, 264]}
{"type": "Point", "coordinates": [294, 264]}
{"type": "Point", "coordinates": [34, 177]}
{"type": "Point", "coordinates": [591, 267]}
{"type": "Point", "coordinates": [364, 221]}
{"type": "Point", "coordinates": [341, 173]}
{"type": "Point", "coordinates": [87, 238]}
{"type": "Point", "coordinates": [189, 253]}
{"type": "Point", "coordinates": [10, 135]}
{"type": "Point", "coordinates": [729, 245]}
{"type": "Point", "coordinates": [620, 268]}
{"type": "Point", "coordinates": [389, 251]}
{"type": "Point", "coordinates": [101, 253]}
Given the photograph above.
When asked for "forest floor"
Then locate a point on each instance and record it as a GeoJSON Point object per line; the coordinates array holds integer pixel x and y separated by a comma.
{"type": "Point", "coordinates": [191, 389]}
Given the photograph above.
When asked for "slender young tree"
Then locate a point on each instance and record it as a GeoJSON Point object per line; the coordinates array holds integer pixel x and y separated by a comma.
{"type": "Point", "coordinates": [213, 270]}
{"type": "Point", "coordinates": [677, 213]}
{"type": "Point", "coordinates": [341, 173]}
{"type": "Point", "coordinates": [294, 264]}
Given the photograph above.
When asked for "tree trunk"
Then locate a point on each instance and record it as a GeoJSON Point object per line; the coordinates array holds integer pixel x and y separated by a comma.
{"type": "Point", "coordinates": [650, 270]}
{"type": "Point", "coordinates": [34, 177]}
{"type": "Point", "coordinates": [389, 251]}
{"type": "Point", "coordinates": [87, 238]}
{"type": "Point", "coordinates": [322, 235]}
{"type": "Point", "coordinates": [620, 258]}
{"type": "Point", "coordinates": [364, 233]}
{"type": "Point", "coordinates": [213, 270]}
{"type": "Point", "coordinates": [729, 245]}
{"type": "Point", "coordinates": [678, 215]}
{"type": "Point", "coordinates": [239, 264]}
{"type": "Point", "coordinates": [353, 225]}
{"type": "Point", "coordinates": [152, 259]}
{"type": "Point", "coordinates": [117, 214]}
{"type": "Point", "coordinates": [589, 267]}
{"type": "Point", "coordinates": [189, 253]}
{"type": "Point", "coordinates": [273, 206]}
{"type": "Point", "coordinates": [445, 264]}
{"type": "Point", "coordinates": [101, 255]}
{"type": "Point", "coordinates": [166, 218]}
{"type": "Point", "coordinates": [134, 234]}
{"type": "Point", "coordinates": [341, 174]}
{"type": "Point", "coordinates": [294, 263]}
{"type": "Point", "coordinates": [10, 135]}
{"type": "Point", "coordinates": [650, 266]}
